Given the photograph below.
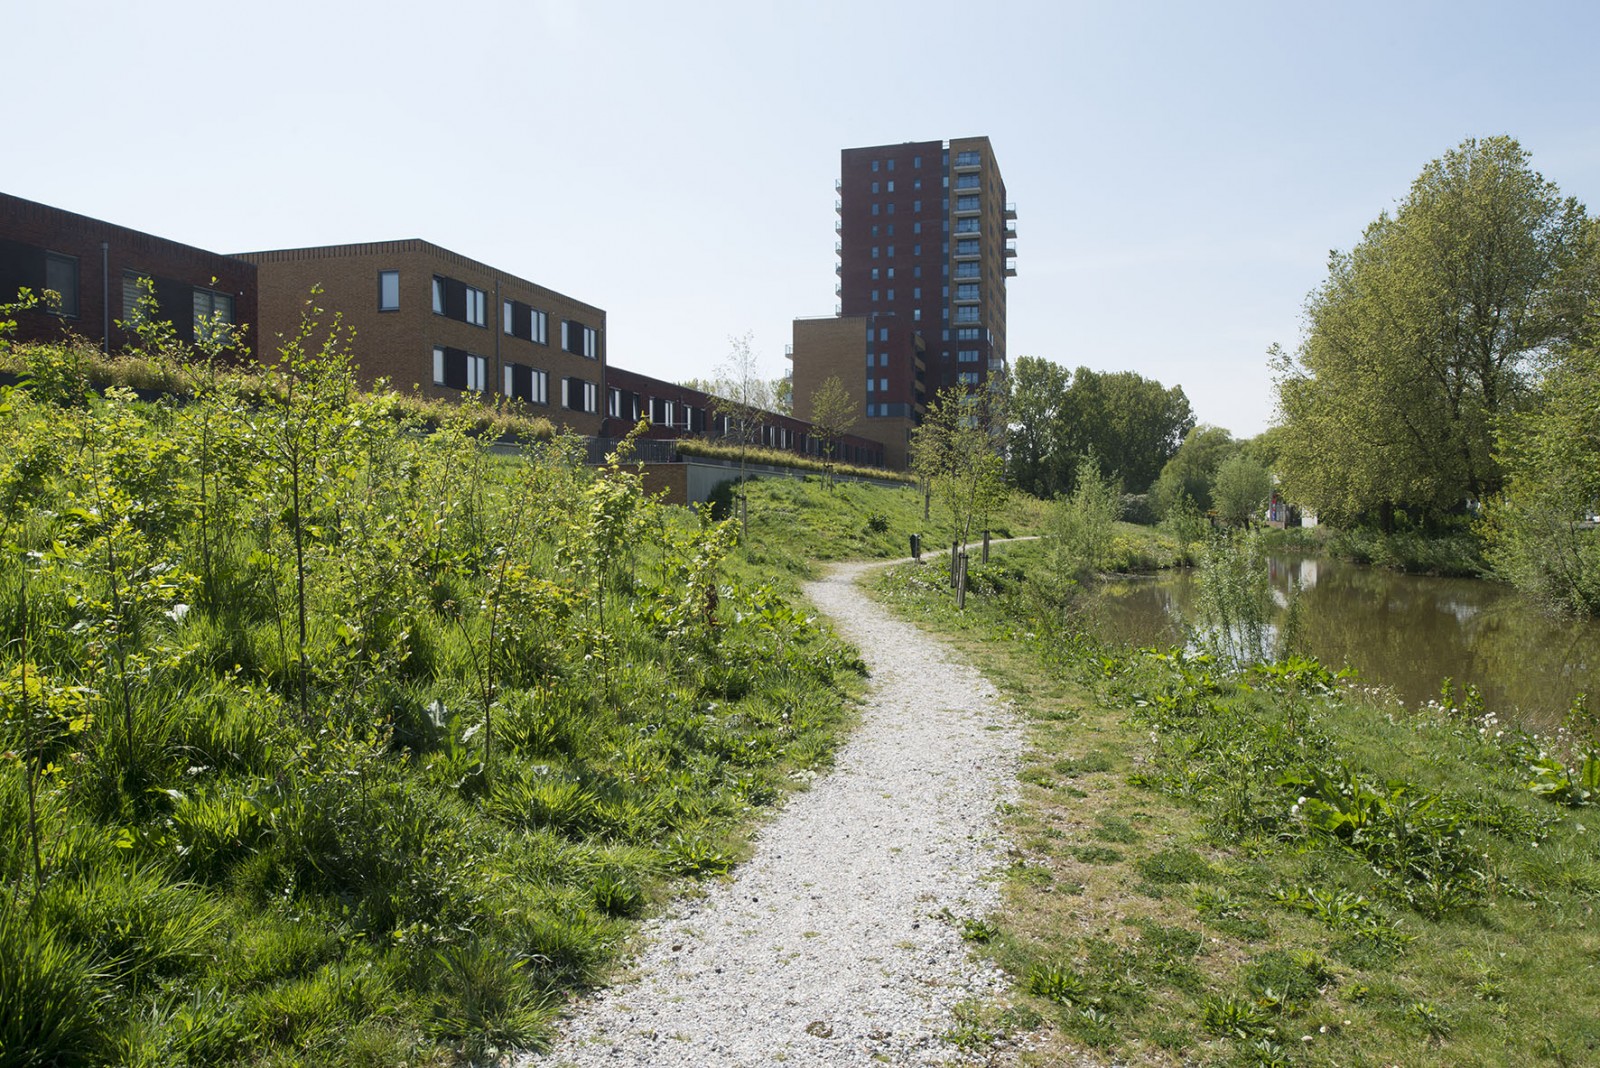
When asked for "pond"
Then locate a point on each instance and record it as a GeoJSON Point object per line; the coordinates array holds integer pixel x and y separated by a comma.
{"type": "Point", "coordinates": [1405, 632]}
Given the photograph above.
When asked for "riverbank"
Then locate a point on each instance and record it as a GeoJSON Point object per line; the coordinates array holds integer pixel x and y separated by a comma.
{"type": "Point", "coordinates": [1273, 867]}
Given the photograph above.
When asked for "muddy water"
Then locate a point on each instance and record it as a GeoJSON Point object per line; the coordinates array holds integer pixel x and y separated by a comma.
{"type": "Point", "coordinates": [1402, 631]}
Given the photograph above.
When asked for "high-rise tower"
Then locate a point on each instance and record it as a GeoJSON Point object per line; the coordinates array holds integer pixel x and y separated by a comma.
{"type": "Point", "coordinates": [926, 241]}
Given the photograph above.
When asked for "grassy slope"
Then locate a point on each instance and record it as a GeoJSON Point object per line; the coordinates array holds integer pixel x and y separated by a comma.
{"type": "Point", "coordinates": [1167, 906]}
{"type": "Point", "coordinates": [228, 879]}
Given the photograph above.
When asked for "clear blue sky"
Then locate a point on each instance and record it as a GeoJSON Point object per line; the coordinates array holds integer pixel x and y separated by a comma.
{"type": "Point", "coordinates": [1181, 170]}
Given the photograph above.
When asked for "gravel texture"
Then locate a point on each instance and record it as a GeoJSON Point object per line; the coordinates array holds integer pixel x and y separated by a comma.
{"type": "Point", "coordinates": [832, 945]}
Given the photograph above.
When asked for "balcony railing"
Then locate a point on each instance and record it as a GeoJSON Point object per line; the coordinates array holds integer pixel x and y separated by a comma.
{"type": "Point", "coordinates": [1011, 272]}
{"type": "Point", "coordinates": [1011, 250]}
{"type": "Point", "coordinates": [1011, 210]}
{"type": "Point", "coordinates": [838, 185]}
{"type": "Point", "coordinates": [1011, 232]}
{"type": "Point", "coordinates": [838, 207]}
{"type": "Point", "coordinates": [838, 226]}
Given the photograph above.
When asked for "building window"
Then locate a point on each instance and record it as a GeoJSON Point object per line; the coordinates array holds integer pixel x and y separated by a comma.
{"type": "Point", "coordinates": [519, 320]}
{"type": "Point", "coordinates": [874, 296]}
{"type": "Point", "coordinates": [388, 290]}
{"type": "Point", "coordinates": [968, 333]}
{"type": "Point", "coordinates": [967, 270]}
{"type": "Point", "coordinates": [457, 300]}
{"type": "Point", "coordinates": [967, 356]}
{"type": "Point", "coordinates": [874, 274]}
{"type": "Point", "coordinates": [916, 315]}
{"type": "Point", "coordinates": [580, 340]}
{"type": "Point", "coordinates": [891, 207]}
{"type": "Point", "coordinates": [891, 165]}
{"type": "Point", "coordinates": [870, 386]}
{"type": "Point", "coordinates": [967, 203]}
{"type": "Point", "coordinates": [967, 181]}
{"type": "Point", "coordinates": [874, 188]}
{"type": "Point", "coordinates": [966, 226]}
{"type": "Point", "coordinates": [967, 246]}
{"type": "Point", "coordinates": [891, 252]}
{"type": "Point", "coordinates": [135, 284]}
{"type": "Point", "coordinates": [527, 383]}
{"type": "Point", "coordinates": [874, 251]}
{"type": "Point", "coordinates": [891, 295]}
{"type": "Point", "coordinates": [61, 276]}
{"type": "Point", "coordinates": [967, 313]}
{"type": "Point", "coordinates": [883, 385]}
{"type": "Point", "coordinates": [212, 310]}
{"type": "Point", "coordinates": [883, 333]}
{"type": "Point", "coordinates": [457, 369]}
{"type": "Point", "coordinates": [967, 291]}
{"type": "Point", "coordinates": [614, 402]}
{"type": "Point", "coordinates": [580, 396]}
{"type": "Point", "coordinates": [968, 378]}
{"type": "Point", "coordinates": [916, 250]}
{"type": "Point", "coordinates": [874, 166]}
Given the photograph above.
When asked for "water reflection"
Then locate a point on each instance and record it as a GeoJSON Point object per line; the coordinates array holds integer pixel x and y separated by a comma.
{"type": "Point", "coordinates": [1402, 631]}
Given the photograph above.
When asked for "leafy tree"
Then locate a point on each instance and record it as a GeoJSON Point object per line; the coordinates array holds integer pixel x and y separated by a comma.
{"type": "Point", "coordinates": [833, 413]}
{"type": "Point", "coordinates": [1537, 531]}
{"type": "Point", "coordinates": [1193, 468]}
{"type": "Point", "coordinates": [1083, 525]}
{"type": "Point", "coordinates": [1037, 462]}
{"type": "Point", "coordinates": [1240, 489]}
{"type": "Point", "coordinates": [1426, 332]}
{"type": "Point", "coordinates": [1131, 423]}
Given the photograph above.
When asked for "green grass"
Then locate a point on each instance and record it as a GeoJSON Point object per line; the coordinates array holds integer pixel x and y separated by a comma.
{"type": "Point", "coordinates": [1267, 868]}
{"type": "Point", "coordinates": [529, 705]}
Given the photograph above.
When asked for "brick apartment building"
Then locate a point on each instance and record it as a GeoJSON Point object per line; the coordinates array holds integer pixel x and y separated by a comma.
{"type": "Point", "coordinates": [427, 317]}
{"type": "Point", "coordinates": [925, 247]}
{"type": "Point", "coordinates": [420, 315]}
{"type": "Point", "coordinates": [86, 261]}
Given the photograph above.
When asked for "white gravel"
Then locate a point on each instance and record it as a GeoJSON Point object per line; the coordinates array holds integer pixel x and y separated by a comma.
{"type": "Point", "coordinates": [829, 947]}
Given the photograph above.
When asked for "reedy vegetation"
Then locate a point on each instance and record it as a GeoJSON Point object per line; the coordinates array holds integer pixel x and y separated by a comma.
{"type": "Point", "coordinates": [327, 740]}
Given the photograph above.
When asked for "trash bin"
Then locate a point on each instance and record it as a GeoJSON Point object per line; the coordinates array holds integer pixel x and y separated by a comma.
{"type": "Point", "coordinates": [916, 546]}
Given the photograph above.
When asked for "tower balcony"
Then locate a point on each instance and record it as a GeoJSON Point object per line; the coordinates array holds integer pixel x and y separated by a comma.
{"type": "Point", "coordinates": [1011, 272]}
{"type": "Point", "coordinates": [1011, 250]}
{"type": "Point", "coordinates": [838, 185]}
{"type": "Point", "coordinates": [1011, 211]}
{"type": "Point", "coordinates": [1011, 233]}
{"type": "Point", "coordinates": [838, 207]}
{"type": "Point", "coordinates": [838, 227]}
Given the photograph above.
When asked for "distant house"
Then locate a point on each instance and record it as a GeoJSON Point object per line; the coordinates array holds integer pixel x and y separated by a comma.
{"type": "Point", "coordinates": [97, 269]}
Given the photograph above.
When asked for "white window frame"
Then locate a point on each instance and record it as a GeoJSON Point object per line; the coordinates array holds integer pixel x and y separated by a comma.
{"type": "Point", "coordinates": [476, 306]}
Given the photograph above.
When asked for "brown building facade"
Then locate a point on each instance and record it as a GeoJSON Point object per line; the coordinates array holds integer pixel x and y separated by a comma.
{"type": "Point", "coordinates": [429, 318]}
{"type": "Point", "coordinates": [85, 260]}
{"type": "Point", "coordinates": [926, 243]}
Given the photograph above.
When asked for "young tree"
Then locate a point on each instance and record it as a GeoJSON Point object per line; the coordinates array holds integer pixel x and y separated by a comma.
{"type": "Point", "coordinates": [1193, 468]}
{"type": "Point", "coordinates": [1424, 335]}
{"type": "Point", "coordinates": [956, 451]}
{"type": "Point", "coordinates": [833, 413]}
{"type": "Point", "coordinates": [743, 397]}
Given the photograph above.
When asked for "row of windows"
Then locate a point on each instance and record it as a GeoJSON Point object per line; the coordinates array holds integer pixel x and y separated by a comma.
{"type": "Point", "coordinates": [210, 307]}
{"type": "Point", "coordinates": [916, 163]}
{"type": "Point", "coordinates": [467, 371]}
{"type": "Point", "coordinates": [916, 186]}
{"type": "Point", "coordinates": [468, 304]}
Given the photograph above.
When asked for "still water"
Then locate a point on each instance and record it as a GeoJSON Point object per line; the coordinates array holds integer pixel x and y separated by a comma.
{"type": "Point", "coordinates": [1405, 632]}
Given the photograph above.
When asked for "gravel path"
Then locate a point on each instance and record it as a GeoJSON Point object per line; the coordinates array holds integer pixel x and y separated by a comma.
{"type": "Point", "coordinates": [828, 946]}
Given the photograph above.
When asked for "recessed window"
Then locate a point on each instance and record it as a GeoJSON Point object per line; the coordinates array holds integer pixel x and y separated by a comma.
{"type": "Point", "coordinates": [134, 286]}
{"type": "Point", "coordinates": [477, 301]}
{"type": "Point", "coordinates": [456, 300]}
{"type": "Point", "coordinates": [580, 340]}
{"type": "Point", "coordinates": [580, 396]}
{"type": "Point", "coordinates": [388, 290]}
{"type": "Point", "coordinates": [212, 312]}
{"type": "Point", "coordinates": [527, 383]}
{"type": "Point", "coordinates": [457, 369]}
{"type": "Point", "coordinates": [520, 320]}
{"type": "Point", "coordinates": [61, 276]}
{"type": "Point", "coordinates": [890, 188]}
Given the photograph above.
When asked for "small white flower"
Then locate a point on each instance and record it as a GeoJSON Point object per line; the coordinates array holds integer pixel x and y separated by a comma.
{"type": "Point", "coordinates": [177, 612]}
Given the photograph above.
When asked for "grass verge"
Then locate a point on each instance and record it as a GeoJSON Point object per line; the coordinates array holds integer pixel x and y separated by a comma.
{"type": "Point", "coordinates": [1270, 867]}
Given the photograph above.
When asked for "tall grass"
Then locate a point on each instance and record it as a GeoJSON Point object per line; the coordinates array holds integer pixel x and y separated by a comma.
{"type": "Point", "coordinates": [342, 742]}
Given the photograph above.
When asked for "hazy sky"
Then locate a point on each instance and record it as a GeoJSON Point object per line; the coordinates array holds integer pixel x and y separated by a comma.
{"type": "Point", "coordinates": [1181, 170]}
